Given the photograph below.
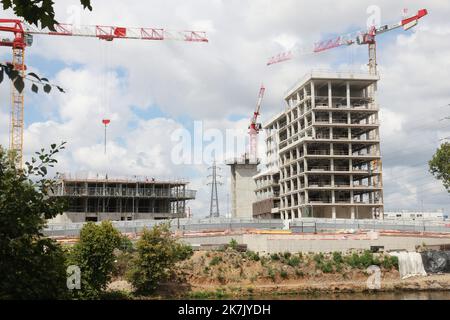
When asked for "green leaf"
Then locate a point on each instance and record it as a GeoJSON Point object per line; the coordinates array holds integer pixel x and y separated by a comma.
{"type": "Point", "coordinates": [86, 4]}
{"type": "Point", "coordinates": [47, 88]}
{"type": "Point", "coordinates": [34, 88]}
{"type": "Point", "coordinates": [19, 84]}
{"type": "Point", "coordinates": [34, 75]}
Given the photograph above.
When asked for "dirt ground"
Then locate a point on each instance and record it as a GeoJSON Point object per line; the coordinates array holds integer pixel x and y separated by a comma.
{"type": "Point", "coordinates": [234, 274]}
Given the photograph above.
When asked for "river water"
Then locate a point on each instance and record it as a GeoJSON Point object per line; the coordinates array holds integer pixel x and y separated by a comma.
{"type": "Point", "coordinates": [406, 295]}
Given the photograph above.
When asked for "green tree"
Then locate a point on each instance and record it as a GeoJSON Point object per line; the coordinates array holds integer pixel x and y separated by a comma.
{"type": "Point", "coordinates": [37, 11]}
{"type": "Point", "coordinates": [440, 165]}
{"type": "Point", "coordinates": [94, 255]}
{"type": "Point", "coordinates": [31, 265]}
{"type": "Point", "coordinates": [157, 253]}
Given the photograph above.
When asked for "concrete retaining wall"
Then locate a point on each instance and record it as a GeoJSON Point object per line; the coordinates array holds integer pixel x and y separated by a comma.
{"type": "Point", "coordinates": [294, 243]}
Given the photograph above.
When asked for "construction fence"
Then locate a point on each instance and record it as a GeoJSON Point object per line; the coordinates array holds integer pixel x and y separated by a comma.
{"type": "Point", "coordinates": [304, 225]}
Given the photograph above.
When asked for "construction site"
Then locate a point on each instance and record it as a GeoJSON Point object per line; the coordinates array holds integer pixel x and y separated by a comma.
{"type": "Point", "coordinates": [322, 152]}
{"type": "Point", "coordinates": [310, 192]}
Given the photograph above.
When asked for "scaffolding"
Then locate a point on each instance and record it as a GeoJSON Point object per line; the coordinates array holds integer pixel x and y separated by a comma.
{"type": "Point", "coordinates": [123, 199]}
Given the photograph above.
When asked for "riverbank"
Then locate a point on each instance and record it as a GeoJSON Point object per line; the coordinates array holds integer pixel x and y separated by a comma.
{"type": "Point", "coordinates": [232, 274]}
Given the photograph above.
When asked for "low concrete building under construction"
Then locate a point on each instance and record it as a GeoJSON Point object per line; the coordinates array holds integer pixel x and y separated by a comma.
{"type": "Point", "coordinates": [327, 150]}
{"type": "Point", "coordinates": [122, 199]}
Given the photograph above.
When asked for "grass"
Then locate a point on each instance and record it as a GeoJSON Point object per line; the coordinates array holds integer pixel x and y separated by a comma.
{"type": "Point", "coordinates": [271, 274]}
{"type": "Point", "coordinates": [284, 274]}
{"type": "Point", "coordinates": [215, 261]}
{"type": "Point", "coordinates": [294, 261]}
{"type": "Point", "coordinates": [254, 256]}
{"type": "Point", "coordinates": [274, 257]}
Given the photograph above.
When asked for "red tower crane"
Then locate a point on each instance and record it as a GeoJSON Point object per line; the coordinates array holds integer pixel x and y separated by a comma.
{"type": "Point", "coordinates": [254, 126]}
{"type": "Point", "coordinates": [360, 38]}
{"type": "Point", "coordinates": [23, 37]}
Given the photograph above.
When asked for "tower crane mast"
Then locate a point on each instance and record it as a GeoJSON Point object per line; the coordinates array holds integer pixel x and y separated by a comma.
{"type": "Point", "coordinates": [23, 37]}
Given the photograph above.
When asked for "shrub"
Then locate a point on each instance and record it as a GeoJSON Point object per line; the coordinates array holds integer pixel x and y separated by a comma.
{"type": "Point", "coordinates": [253, 255]}
{"type": "Point", "coordinates": [319, 258]}
{"type": "Point", "coordinates": [122, 263]}
{"type": "Point", "coordinates": [157, 253]}
{"type": "Point", "coordinates": [125, 244]}
{"type": "Point", "coordinates": [233, 244]}
{"type": "Point", "coordinates": [286, 255]}
{"type": "Point", "coordinates": [326, 267]}
{"type": "Point", "coordinates": [215, 261]}
{"type": "Point", "coordinates": [271, 274]}
{"type": "Point", "coordinates": [274, 257]}
{"type": "Point", "coordinates": [94, 255]}
{"type": "Point", "coordinates": [337, 257]}
{"type": "Point", "coordinates": [283, 274]}
{"type": "Point", "coordinates": [366, 259]}
{"type": "Point", "coordinates": [353, 260]}
{"type": "Point", "coordinates": [294, 261]}
{"type": "Point", "coordinates": [390, 262]}
{"type": "Point", "coordinates": [32, 266]}
{"type": "Point", "coordinates": [116, 295]}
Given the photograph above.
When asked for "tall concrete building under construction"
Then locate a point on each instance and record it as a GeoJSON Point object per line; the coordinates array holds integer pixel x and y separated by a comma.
{"type": "Point", "coordinates": [327, 151]}
{"type": "Point", "coordinates": [122, 199]}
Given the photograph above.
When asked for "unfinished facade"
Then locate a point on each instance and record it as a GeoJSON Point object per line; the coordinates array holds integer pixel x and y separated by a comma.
{"type": "Point", "coordinates": [110, 199]}
{"type": "Point", "coordinates": [267, 192]}
{"type": "Point", "coordinates": [329, 148]}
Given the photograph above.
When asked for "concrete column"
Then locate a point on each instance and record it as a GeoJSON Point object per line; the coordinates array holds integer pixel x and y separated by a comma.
{"type": "Point", "coordinates": [333, 212]}
{"type": "Point", "coordinates": [330, 95]}
{"type": "Point", "coordinates": [313, 95]}
{"type": "Point", "coordinates": [352, 213]}
{"type": "Point", "coordinates": [333, 197]}
{"type": "Point", "coordinates": [347, 84]}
